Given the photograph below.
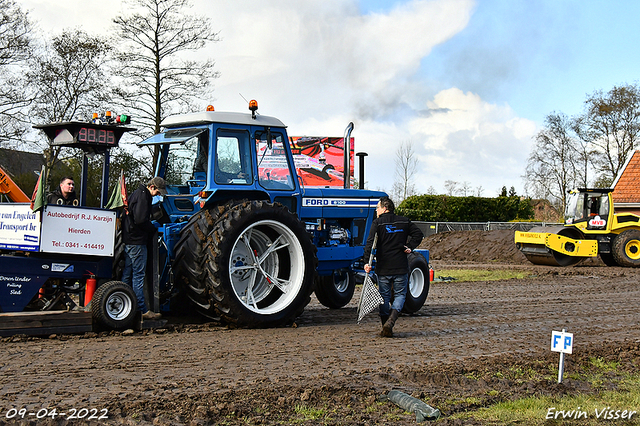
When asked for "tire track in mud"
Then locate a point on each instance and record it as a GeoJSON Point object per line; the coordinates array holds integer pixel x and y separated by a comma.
{"type": "Point", "coordinates": [460, 321]}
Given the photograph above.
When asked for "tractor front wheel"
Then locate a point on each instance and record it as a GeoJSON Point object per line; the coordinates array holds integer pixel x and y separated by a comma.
{"type": "Point", "coordinates": [336, 290]}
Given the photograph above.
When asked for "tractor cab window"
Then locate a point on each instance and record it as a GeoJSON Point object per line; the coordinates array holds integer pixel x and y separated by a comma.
{"type": "Point", "coordinates": [582, 206]}
{"type": "Point", "coordinates": [599, 205]}
{"type": "Point", "coordinates": [574, 210]}
{"type": "Point", "coordinates": [273, 167]}
{"type": "Point", "coordinates": [201, 163]}
{"type": "Point", "coordinates": [180, 160]}
{"type": "Point", "coordinates": [233, 158]}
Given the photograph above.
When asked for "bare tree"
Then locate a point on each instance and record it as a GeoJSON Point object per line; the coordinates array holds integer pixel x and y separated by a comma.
{"type": "Point", "coordinates": [70, 77]}
{"type": "Point", "coordinates": [451, 187]}
{"type": "Point", "coordinates": [586, 153]}
{"type": "Point", "coordinates": [611, 124]}
{"type": "Point", "coordinates": [465, 188]}
{"type": "Point", "coordinates": [406, 167]}
{"type": "Point", "coordinates": [551, 167]}
{"type": "Point", "coordinates": [70, 80]}
{"type": "Point", "coordinates": [431, 190]}
{"type": "Point", "coordinates": [156, 78]}
{"type": "Point", "coordinates": [15, 49]}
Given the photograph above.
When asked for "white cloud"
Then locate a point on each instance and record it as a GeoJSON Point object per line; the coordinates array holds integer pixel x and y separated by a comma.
{"type": "Point", "coordinates": [327, 56]}
{"type": "Point", "coordinates": [317, 65]}
{"type": "Point", "coordinates": [465, 139]}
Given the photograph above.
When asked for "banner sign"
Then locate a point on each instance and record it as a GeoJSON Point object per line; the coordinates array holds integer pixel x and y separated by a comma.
{"type": "Point", "coordinates": [319, 160]}
{"type": "Point", "coordinates": [19, 227]}
{"type": "Point", "coordinates": [78, 230]}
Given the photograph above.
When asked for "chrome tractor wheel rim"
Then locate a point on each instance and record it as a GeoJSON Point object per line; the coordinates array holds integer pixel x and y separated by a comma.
{"type": "Point", "coordinates": [416, 282]}
{"type": "Point", "coordinates": [266, 267]}
{"type": "Point", "coordinates": [119, 305]}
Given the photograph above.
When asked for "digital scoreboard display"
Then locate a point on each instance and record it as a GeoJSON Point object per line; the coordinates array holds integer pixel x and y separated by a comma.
{"type": "Point", "coordinates": [101, 136]}
{"type": "Point", "coordinates": [84, 135]}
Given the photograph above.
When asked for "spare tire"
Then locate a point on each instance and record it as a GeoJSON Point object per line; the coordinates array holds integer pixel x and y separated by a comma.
{"type": "Point", "coordinates": [418, 287]}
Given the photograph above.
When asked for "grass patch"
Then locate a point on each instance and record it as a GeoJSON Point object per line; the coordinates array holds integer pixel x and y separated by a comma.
{"type": "Point", "coordinates": [587, 408]}
{"type": "Point", "coordinates": [470, 275]}
{"type": "Point", "coordinates": [309, 413]}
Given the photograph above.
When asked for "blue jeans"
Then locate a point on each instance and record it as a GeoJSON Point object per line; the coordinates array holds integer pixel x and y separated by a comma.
{"type": "Point", "coordinates": [135, 265]}
{"type": "Point", "coordinates": [395, 285]}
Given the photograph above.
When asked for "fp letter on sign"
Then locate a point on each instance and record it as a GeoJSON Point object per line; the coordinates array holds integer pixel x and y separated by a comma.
{"type": "Point", "coordinates": [561, 342]}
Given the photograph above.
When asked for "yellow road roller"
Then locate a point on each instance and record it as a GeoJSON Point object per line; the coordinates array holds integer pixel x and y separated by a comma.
{"type": "Point", "coordinates": [591, 228]}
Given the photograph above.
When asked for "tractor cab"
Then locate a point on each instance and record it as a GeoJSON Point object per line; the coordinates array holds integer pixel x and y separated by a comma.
{"type": "Point", "coordinates": [589, 208]}
{"type": "Point", "coordinates": [212, 156]}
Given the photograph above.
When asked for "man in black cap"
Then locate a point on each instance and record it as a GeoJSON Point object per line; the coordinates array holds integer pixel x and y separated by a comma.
{"type": "Point", "coordinates": [137, 231]}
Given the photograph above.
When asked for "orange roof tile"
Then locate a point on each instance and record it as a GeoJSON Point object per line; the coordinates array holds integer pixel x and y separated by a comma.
{"type": "Point", "coordinates": [627, 189]}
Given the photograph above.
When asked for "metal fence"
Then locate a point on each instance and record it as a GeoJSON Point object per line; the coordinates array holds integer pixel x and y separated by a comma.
{"type": "Point", "coordinates": [430, 228]}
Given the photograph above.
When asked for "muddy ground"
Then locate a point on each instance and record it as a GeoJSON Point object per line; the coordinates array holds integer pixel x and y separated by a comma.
{"type": "Point", "coordinates": [466, 348]}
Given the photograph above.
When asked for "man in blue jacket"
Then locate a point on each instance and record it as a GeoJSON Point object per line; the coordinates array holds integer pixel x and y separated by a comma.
{"type": "Point", "coordinates": [397, 236]}
{"type": "Point", "coordinates": [137, 231]}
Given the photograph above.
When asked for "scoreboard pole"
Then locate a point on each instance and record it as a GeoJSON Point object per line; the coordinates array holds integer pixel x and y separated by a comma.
{"type": "Point", "coordinates": [104, 196]}
{"type": "Point", "coordinates": [84, 178]}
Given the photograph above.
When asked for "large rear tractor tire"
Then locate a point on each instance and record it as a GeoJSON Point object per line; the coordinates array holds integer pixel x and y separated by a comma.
{"type": "Point", "coordinates": [418, 287]}
{"type": "Point", "coordinates": [114, 305]}
{"type": "Point", "coordinates": [189, 265]}
{"type": "Point", "coordinates": [336, 290]}
{"type": "Point", "coordinates": [626, 248]}
{"type": "Point", "coordinates": [261, 265]}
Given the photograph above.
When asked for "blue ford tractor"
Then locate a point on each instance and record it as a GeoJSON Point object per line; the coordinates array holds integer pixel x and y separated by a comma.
{"type": "Point", "coordinates": [243, 238]}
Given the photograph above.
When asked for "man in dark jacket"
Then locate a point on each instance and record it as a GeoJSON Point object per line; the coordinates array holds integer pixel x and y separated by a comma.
{"type": "Point", "coordinates": [137, 230]}
{"type": "Point", "coordinates": [65, 194]}
{"type": "Point", "coordinates": [397, 236]}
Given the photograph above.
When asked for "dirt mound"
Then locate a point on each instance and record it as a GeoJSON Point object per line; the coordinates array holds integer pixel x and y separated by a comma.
{"type": "Point", "coordinates": [474, 246]}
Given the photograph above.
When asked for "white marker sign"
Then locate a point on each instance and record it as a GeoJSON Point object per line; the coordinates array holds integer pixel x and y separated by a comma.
{"type": "Point", "coordinates": [561, 341]}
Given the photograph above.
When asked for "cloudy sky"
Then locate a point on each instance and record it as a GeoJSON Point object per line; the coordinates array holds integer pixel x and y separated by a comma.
{"type": "Point", "coordinates": [467, 83]}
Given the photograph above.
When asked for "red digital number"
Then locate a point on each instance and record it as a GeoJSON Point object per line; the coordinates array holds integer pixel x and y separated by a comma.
{"type": "Point", "coordinates": [96, 135]}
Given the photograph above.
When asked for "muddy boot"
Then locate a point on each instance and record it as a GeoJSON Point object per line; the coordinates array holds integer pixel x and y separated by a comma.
{"type": "Point", "coordinates": [387, 328]}
{"type": "Point", "coordinates": [384, 318]}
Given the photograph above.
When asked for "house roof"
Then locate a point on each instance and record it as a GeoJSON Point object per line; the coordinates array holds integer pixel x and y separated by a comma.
{"type": "Point", "coordinates": [16, 162]}
{"type": "Point", "coordinates": [626, 188]}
